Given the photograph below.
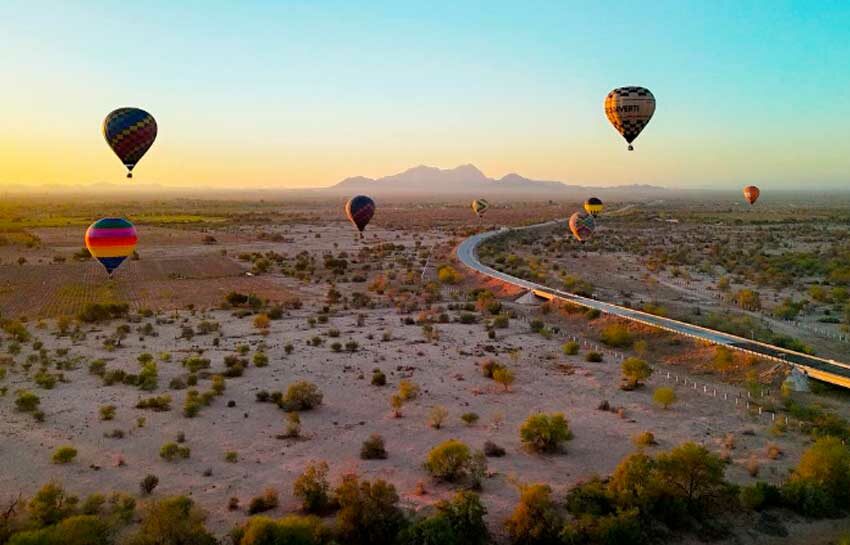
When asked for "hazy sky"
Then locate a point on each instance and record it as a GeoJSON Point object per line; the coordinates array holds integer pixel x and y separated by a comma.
{"type": "Point", "coordinates": [277, 94]}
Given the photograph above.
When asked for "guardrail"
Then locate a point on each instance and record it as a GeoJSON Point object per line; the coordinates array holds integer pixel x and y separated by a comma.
{"type": "Point", "coordinates": [822, 369]}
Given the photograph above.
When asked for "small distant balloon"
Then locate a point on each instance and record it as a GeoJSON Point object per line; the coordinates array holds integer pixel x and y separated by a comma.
{"type": "Point", "coordinates": [751, 193]}
{"type": "Point", "coordinates": [593, 206]}
{"type": "Point", "coordinates": [582, 226]}
{"type": "Point", "coordinates": [130, 132]}
{"type": "Point", "coordinates": [480, 206]}
{"type": "Point", "coordinates": [111, 241]}
{"type": "Point", "coordinates": [360, 210]}
{"type": "Point", "coordinates": [629, 109]}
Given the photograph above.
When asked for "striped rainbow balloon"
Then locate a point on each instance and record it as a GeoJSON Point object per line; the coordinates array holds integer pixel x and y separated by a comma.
{"type": "Point", "coordinates": [111, 241]}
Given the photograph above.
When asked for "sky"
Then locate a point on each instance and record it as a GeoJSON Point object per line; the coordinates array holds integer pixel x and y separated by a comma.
{"type": "Point", "coordinates": [297, 94]}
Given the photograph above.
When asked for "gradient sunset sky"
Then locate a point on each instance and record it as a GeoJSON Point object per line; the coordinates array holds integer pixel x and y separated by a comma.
{"type": "Point", "coordinates": [293, 94]}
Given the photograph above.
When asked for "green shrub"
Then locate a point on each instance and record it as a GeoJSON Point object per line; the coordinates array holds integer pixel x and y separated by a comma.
{"type": "Point", "coordinates": [368, 512]}
{"type": "Point", "coordinates": [378, 378]}
{"type": "Point", "coordinates": [267, 501]}
{"type": "Point", "coordinates": [64, 455]}
{"type": "Point", "coordinates": [593, 357]}
{"type": "Point", "coordinates": [261, 359]}
{"type": "Point", "coordinates": [148, 483]}
{"type": "Point", "coordinates": [545, 432]}
{"type": "Point", "coordinates": [536, 519]}
{"type": "Point", "coordinates": [27, 401]}
{"type": "Point", "coordinates": [76, 530]}
{"type": "Point", "coordinates": [311, 487]}
{"type": "Point", "coordinates": [171, 451]}
{"type": "Point", "coordinates": [107, 412]}
{"type": "Point", "coordinates": [634, 370]}
{"type": "Point", "coordinates": [302, 396]}
{"type": "Point", "coordinates": [570, 348]}
{"type": "Point", "coordinates": [449, 461]}
{"type": "Point", "coordinates": [469, 418]}
{"type": "Point", "coordinates": [616, 335]}
{"type": "Point", "coordinates": [174, 520]}
{"type": "Point", "coordinates": [289, 530]}
{"type": "Point", "coordinates": [664, 396]}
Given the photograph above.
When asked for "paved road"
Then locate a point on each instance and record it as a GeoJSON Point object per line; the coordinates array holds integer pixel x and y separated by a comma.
{"type": "Point", "coordinates": [819, 368]}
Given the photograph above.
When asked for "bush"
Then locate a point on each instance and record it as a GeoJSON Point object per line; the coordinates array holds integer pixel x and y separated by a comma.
{"type": "Point", "coordinates": [465, 514]}
{"type": "Point", "coordinates": [27, 402]}
{"type": "Point", "coordinates": [437, 416]}
{"type": "Point", "coordinates": [469, 419]}
{"type": "Point", "coordinates": [664, 396]}
{"type": "Point", "coordinates": [64, 455]}
{"type": "Point", "coordinates": [156, 403]}
{"type": "Point", "coordinates": [368, 512]}
{"type": "Point", "coordinates": [378, 378]}
{"type": "Point", "coordinates": [302, 396]}
{"type": "Point", "coordinates": [148, 483]}
{"type": "Point", "coordinates": [171, 451]}
{"type": "Point", "coordinates": [593, 357]}
{"type": "Point", "coordinates": [759, 496]}
{"type": "Point", "coordinates": [311, 487]}
{"type": "Point", "coordinates": [408, 390]}
{"type": "Point", "coordinates": [644, 439]}
{"type": "Point", "coordinates": [107, 412]}
{"type": "Point", "coordinates": [821, 481]}
{"type": "Point", "coordinates": [545, 432]}
{"type": "Point", "coordinates": [373, 448]}
{"type": "Point", "coordinates": [616, 335]}
{"type": "Point", "coordinates": [265, 502]}
{"type": "Point", "coordinates": [289, 530]}
{"type": "Point", "coordinates": [261, 359]}
{"type": "Point", "coordinates": [505, 377]}
{"type": "Point", "coordinates": [80, 529]}
{"type": "Point", "coordinates": [493, 450]}
{"type": "Point", "coordinates": [448, 275]}
{"type": "Point", "coordinates": [535, 519]}
{"type": "Point", "coordinates": [570, 348]}
{"type": "Point", "coordinates": [449, 461]}
{"type": "Point", "coordinates": [634, 371]}
{"type": "Point", "coordinates": [172, 520]}
{"type": "Point", "coordinates": [489, 367]}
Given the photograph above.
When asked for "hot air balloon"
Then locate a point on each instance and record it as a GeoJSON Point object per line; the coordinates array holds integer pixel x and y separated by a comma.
{"type": "Point", "coordinates": [480, 206]}
{"type": "Point", "coordinates": [111, 241]}
{"type": "Point", "coordinates": [629, 109]}
{"type": "Point", "coordinates": [751, 193]}
{"type": "Point", "coordinates": [593, 206]}
{"type": "Point", "coordinates": [360, 210]}
{"type": "Point", "coordinates": [582, 226]}
{"type": "Point", "coordinates": [130, 132]}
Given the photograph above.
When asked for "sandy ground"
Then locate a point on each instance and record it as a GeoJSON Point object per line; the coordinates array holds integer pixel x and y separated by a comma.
{"type": "Point", "coordinates": [447, 371]}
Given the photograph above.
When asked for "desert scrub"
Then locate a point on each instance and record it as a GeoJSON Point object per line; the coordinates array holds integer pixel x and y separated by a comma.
{"type": "Point", "coordinates": [449, 461]}
{"type": "Point", "coordinates": [156, 403]}
{"type": "Point", "coordinates": [148, 483]}
{"type": "Point", "coordinates": [505, 377]}
{"type": "Point", "coordinates": [493, 450]}
{"type": "Point", "coordinates": [64, 455]}
{"type": "Point", "coordinates": [260, 359]}
{"type": "Point", "coordinates": [231, 456]}
{"type": "Point", "coordinates": [312, 487]}
{"type": "Point", "coordinates": [664, 396]}
{"type": "Point", "coordinates": [373, 448]}
{"type": "Point", "coordinates": [470, 419]}
{"type": "Point", "coordinates": [593, 357]}
{"type": "Point", "coordinates": [616, 335]}
{"type": "Point", "coordinates": [570, 348]}
{"type": "Point", "coordinates": [644, 439]}
{"type": "Point", "coordinates": [408, 390]}
{"type": "Point", "coordinates": [437, 416]}
{"type": "Point", "coordinates": [27, 401]}
{"type": "Point", "coordinates": [378, 378]}
{"type": "Point", "coordinates": [107, 412]}
{"type": "Point", "coordinates": [545, 432]}
{"type": "Point", "coordinates": [172, 451]}
{"type": "Point", "coordinates": [301, 396]}
{"type": "Point", "coordinates": [266, 501]}
{"type": "Point", "coordinates": [634, 371]}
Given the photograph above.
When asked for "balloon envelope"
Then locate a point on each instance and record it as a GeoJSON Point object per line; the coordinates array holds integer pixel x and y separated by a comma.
{"type": "Point", "coordinates": [593, 206]}
{"type": "Point", "coordinates": [582, 226]}
{"type": "Point", "coordinates": [360, 210]}
{"type": "Point", "coordinates": [480, 206]}
{"type": "Point", "coordinates": [111, 241]}
{"type": "Point", "coordinates": [751, 193]}
{"type": "Point", "coordinates": [629, 109]}
{"type": "Point", "coordinates": [130, 132]}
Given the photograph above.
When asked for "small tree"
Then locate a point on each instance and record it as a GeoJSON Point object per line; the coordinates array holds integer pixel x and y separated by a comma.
{"type": "Point", "coordinates": [449, 461]}
{"type": "Point", "coordinates": [634, 371]}
{"type": "Point", "coordinates": [536, 518]}
{"type": "Point", "coordinates": [368, 512]}
{"type": "Point", "coordinates": [504, 376]}
{"type": "Point", "coordinates": [311, 487]}
{"type": "Point", "coordinates": [437, 417]}
{"type": "Point", "coordinates": [664, 396]}
{"type": "Point", "coordinates": [545, 432]}
{"type": "Point", "coordinates": [396, 402]}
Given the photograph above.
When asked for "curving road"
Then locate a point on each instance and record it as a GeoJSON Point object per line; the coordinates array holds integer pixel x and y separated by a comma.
{"type": "Point", "coordinates": [818, 368]}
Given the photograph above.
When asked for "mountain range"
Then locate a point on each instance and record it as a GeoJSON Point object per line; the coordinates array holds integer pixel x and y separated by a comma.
{"type": "Point", "coordinates": [469, 180]}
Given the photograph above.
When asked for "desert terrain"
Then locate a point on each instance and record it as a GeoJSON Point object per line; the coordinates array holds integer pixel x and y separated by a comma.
{"type": "Point", "coordinates": [238, 301]}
